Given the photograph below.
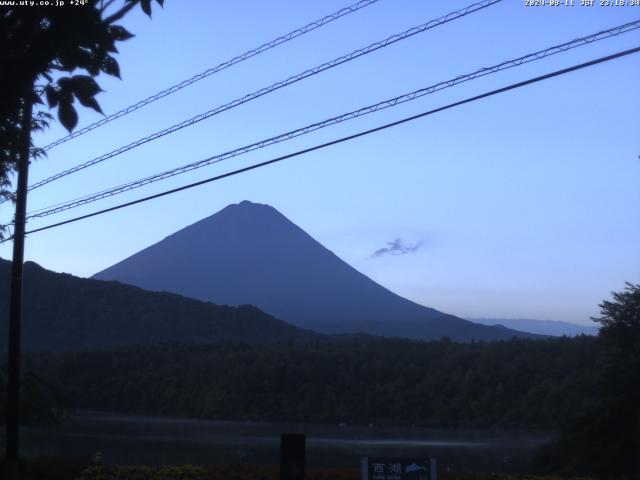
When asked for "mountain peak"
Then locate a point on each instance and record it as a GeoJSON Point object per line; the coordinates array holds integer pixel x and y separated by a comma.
{"type": "Point", "coordinates": [248, 205]}
{"type": "Point", "coordinates": [246, 208]}
{"type": "Point", "coordinates": [231, 227]}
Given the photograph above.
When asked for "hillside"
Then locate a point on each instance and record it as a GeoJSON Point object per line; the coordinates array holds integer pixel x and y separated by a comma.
{"type": "Point", "coordinates": [250, 253]}
{"type": "Point", "coordinates": [63, 312]}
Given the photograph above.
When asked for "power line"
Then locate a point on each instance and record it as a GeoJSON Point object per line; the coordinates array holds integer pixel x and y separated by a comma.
{"type": "Point", "coordinates": [343, 139]}
{"type": "Point", "coordinates": [218, 68]}
{"type": "Point", "coordinates": [50, 210]}
{"type": "Point", "coordinates": [276, 86]}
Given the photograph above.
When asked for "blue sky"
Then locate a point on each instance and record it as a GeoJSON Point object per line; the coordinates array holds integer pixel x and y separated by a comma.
{"type": "Point", "coordinates": [525, 205]}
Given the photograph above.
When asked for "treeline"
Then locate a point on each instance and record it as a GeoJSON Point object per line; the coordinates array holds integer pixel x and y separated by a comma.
{"type": "Point", "coordinates": [517, 383]}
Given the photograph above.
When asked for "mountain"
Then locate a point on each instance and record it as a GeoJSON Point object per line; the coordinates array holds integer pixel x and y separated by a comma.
{"type": "Point", "coordinates": [250, 253]}
{"type": "Point", "coordinates": [552, 328]}
{"type": "Point", "coordinates": [63, 312]}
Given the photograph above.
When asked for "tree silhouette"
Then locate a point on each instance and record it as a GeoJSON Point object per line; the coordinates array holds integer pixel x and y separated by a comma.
{"type": "Point", "coordinates": [42, 48]}
{"type": "Point", "coordinates": [38, 44]}
{"type": "Point", "coordinates": [620, 384]}
{"type": "Point", "coordinates": [604, 440]}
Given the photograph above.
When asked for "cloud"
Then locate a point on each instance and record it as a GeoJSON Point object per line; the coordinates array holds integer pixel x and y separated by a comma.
{"type": "Point", "coordinates": [396, 247]}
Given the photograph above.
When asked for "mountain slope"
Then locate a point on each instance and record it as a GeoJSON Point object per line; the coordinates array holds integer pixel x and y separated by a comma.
{"type": "Point", "coordinates": [552, 328]}
{"type": "Point", "coordinates": [63, 312]}
{"type": "Point", "coordinates": [251, 254]}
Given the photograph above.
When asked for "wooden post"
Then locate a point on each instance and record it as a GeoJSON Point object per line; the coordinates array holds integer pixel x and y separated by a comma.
{"type": "Point", "coordinates": [292, 456]}
{"type": "Point", "coordinates": [15, 308]}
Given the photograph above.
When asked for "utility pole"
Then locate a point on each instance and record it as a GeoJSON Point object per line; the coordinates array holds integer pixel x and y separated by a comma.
{"type": "Point", "coordinates": [15, 309]}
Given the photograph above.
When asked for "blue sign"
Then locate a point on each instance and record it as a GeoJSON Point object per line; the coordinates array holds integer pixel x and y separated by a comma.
{"type": "Point", "coordinates": [374, 468]}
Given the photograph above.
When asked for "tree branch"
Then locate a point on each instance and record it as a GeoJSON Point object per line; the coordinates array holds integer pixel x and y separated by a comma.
{"type": "Point", "coordinates": [104, 6]}
{"type": "Point", "coordinates": [122, 12]}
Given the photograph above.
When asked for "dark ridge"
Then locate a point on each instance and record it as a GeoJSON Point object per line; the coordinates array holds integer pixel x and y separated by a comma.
{"type": "Point", "coordinates": [64, 312]}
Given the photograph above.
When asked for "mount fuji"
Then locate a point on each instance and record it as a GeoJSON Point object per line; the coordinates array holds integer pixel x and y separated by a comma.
{"type": "Point", "coordinates": [250, 253]}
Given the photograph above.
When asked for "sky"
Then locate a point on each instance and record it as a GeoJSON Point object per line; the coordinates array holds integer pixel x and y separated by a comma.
{"type": "Point", "coordinates": [522, 205]}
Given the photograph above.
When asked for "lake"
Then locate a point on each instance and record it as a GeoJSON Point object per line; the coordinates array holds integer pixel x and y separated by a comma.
{"type": "Point", "coordinates": [133, 439]}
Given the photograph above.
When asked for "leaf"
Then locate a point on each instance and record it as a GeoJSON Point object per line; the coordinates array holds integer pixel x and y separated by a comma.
{"type": "Point", "coordinates": [146, 6]}
{"type": "Point", "coordinates": [68, 116]}
{"type": "Point", "coordinates": [120, 33]}
{"type": "Point", "coordinates": [93, 69]}
{"type": "Point", "coordinates": [52, 95]}
{"type": "Point", "coordinates": [161, 3]}
{"type": "Point", "coordinates": [65, 91]}
{"type": "Point", "coordinates": [65, 84]}
{"type": "Point", "coordinates": [40, 121]}
{"type": "Point", "coordinates": [69, 58]}
{"type": "Point", "coordinates": [79, 57]}
{"type": "Point", "coordinates": [110, 67]}
{"type": "Point", "coordinates": [85, 57]}
{"type": "Point", "coordinates": [84, 86]}
{"type": "Point", "coordinates": [91, 103]}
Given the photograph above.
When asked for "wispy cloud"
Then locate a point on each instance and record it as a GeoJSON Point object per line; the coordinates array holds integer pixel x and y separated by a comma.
{"type": "Point", "coordinates": [396, 247]}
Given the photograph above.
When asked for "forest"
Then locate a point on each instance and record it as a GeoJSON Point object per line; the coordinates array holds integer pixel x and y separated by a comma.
{"type": "Point", "coordinates": [585, 389]}
{"type": "Point", "coordinates": [517, 383]}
